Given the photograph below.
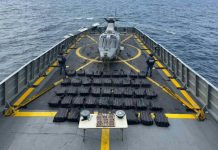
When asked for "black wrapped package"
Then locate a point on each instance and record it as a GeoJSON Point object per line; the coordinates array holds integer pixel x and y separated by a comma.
{"type": "Point", "coordinates": [150, 93]}
{"type": "Point", "coordinates": [73, 115]}
{"type": "Point", "coordinates": [142, 104]}
{"type": "Point", "coordinates": [161, 120]}
{"type": "Point", "coordinates": [78, 101]}
{"type": "Point", "coordinates": [146, 118]}
{"type": "Point", "coordinates": [61, 115]}
{"type": "Point", "coordinates": [66, 101]}
{"type": "Point", "coordinates": [132, 117]}
{"type": "Point", "coordinates": [54, 101]}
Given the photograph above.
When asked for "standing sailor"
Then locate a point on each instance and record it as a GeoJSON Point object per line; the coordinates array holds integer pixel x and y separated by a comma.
{"type": "Point", "coordinates": [62, 63]}
{"type": "Point", "coordinates": [150, 63]}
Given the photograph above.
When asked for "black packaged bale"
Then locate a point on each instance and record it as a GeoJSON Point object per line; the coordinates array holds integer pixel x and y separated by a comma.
{"type": "Point", "coordinates": [78, 101]}
{"type": "Point", "coordinates": [139, 93]}
{"type": "Point", "coordinates": [54, 101]}
{"type": "Point", "coordinates": [90, 102]}
{"type": "Point", "coordinates": [61, 115]}
{"type": "Point", "coordinates": [123, 74]}
{"type": "Point", "coordinates": [96, 91]}
{"type": "Point", "coordinates": [89, 73]}
{"type": "Point", "coordinates": [71, 91]}
{"type": "Point", "coordinates": [128, 92]}
{"type": "Point", "coordinates": [133, 75]}
{"type": "Point", "coordinates": [73, 115]}
{"type": "Point", "coordinates": [135, 83]}
{"type": "Point", "coordinates": [66, 82]}
{"type": "Point", "coordinates": [116, 74]}
{"type": "Point", "coordinates": [66, 101]}
{"type": "Point", "coordinates": [87, 82]}
{"type": "Point", "coordinates": [118, 103]}
{"type": "Point", "coordinates": [103, 102]}
{"type": "Point", "coordinates": [60, 91]}
{"type": "Point", "coordinates": [161, 120]}
{"type": "Point", "coordinates": [76, 81]}
{"type": "Point", "coordinates": [70, 72]}
{"type": "Point", "coordinates": [97, 74]}
{"type": "Point", "coordinates": [117, 82]}
{"type": "Point", "coordinates": [150, 93]}
{"type": "Point", "coordinates": [84, 91]}
{"type": "Point", "coordinates": [146, 118]}
{"type": "Point", "coordinates": [132, 117]}
{"type": "Point", "coordinates": [118, 92]}
{"type": "Point", "coordinates": [106, 74]}
{"type": "Point", "coordinates": [107, 81]}
{"type": "Point", "coordinates": [81, 72]}
{"type": "Point", "coordinates": [108, 92]}
{"type": "Point", "coordinates": [155, 106]}
{"type": "Point", "coordinates": [141, 104]}
{"type": "Point", "coordinates": [145, 83]}
{"type": "Point", "coordinates": [96, 82]}
{"type": "Point", "coordinates": [128, 103]}
{"type": "Point", "coordinates": [126, 82]}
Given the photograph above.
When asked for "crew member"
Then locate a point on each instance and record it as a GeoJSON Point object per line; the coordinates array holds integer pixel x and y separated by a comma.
{"type": "Point", "coordinates": [150, 63]}
{"type": "Point", "coordinates": [62, 63]}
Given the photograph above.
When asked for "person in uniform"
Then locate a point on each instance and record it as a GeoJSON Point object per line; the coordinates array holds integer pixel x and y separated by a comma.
{"type": "Point", "coordinates": [62, 63]}
{"type": "Point", "coordinates": [150, 63]}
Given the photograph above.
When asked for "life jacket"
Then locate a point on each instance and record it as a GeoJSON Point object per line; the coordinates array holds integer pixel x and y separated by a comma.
{"type": "Point", "coordinates": [150, 61]}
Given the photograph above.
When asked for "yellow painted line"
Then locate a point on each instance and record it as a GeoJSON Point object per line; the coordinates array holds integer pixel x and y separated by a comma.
{"type": "Point", "coordinates": [126, 38]}
{"type": "Point", "coordinates": [49, 70]}
{"type": "Point", "coordinates": [24, 96]}
{"type": "Point", "coordinates": [174, 81]}
{"type": "Point", "coordinates": [105, 139]}
{"type": "Point", "coordinates": [174, 95]}
{"type": "Point", "coordinates": [189, 98]}
{"type": "Point", "coordinates": [129, 65]}
{"type": "Point", "coordinates": [38, 81]}
{"type": "Point", "coordinates": [86, 64]}
{"type": "Point", "coordinates": [166, 72]}
{"type": "Point", "coordinates": [181, 116]}
{"type": "Point", "coordinates": [92, 39]}
{"type": "Point", "coordinates": [55, 64]}
{"type": "Point", "coordinates": [34, 114]}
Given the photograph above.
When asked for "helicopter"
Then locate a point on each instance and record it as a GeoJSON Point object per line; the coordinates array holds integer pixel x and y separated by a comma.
{"type": "Point", "coordinates": [109, 41]}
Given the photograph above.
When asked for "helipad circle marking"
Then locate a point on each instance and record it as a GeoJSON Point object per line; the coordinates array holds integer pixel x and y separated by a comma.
{"type": "Point", "coordinates": [99, 61]}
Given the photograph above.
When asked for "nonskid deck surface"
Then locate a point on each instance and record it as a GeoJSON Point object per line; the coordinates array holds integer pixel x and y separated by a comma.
{"type": "Point", "coordinates": [41, 133]}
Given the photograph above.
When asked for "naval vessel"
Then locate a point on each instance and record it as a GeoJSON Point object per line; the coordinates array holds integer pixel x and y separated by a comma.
{"type": "Point", "coordinates": [176, 108]}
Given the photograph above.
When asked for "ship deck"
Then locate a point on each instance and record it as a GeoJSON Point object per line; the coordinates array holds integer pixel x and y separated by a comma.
{"type": "Point", "coordinates": [32, 127]}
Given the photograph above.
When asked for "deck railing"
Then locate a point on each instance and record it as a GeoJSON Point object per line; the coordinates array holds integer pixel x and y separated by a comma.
{"type": "Point", "coordinates": [205, 92]}
{"type": "Point", "coordinates": [12, 86]}
{"type": "Point", "coordinates": [199, 87]}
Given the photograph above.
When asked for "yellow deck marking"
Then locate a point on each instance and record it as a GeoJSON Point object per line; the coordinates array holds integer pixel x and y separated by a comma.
{"type": "Point", "coordinates": [92, 39]}
{"type": "Point", "coordinates": [188, 97]}
{"type": "Point", "coordinates": [49, 70]}
{"type": "Point", "coordinates": [34, 114]}
{"type": "Point", "coordinates": [181, 116]}
{"type": "Point", "coordinates": [105, 139]}
{"type": "Point", "coordinates": [126, 38]}
{"type": "Point", "coordinates": [129, 65]}
{"type": "Point", "coordinates": [24, 96]}
{"type": "Point", "coordinates": [86, 64]}
{"type": "Point", "coordinates": [38, 81]}
{"type": "Point", "coordinates": [138, 54]}
{"type": "Point", "coordinates": [174, 82]}
{"type": "Point", "coordinates": [55, 64]}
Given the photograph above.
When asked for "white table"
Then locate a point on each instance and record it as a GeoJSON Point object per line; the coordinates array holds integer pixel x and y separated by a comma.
{"type": "Point", "coordinates": [92, 122]}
